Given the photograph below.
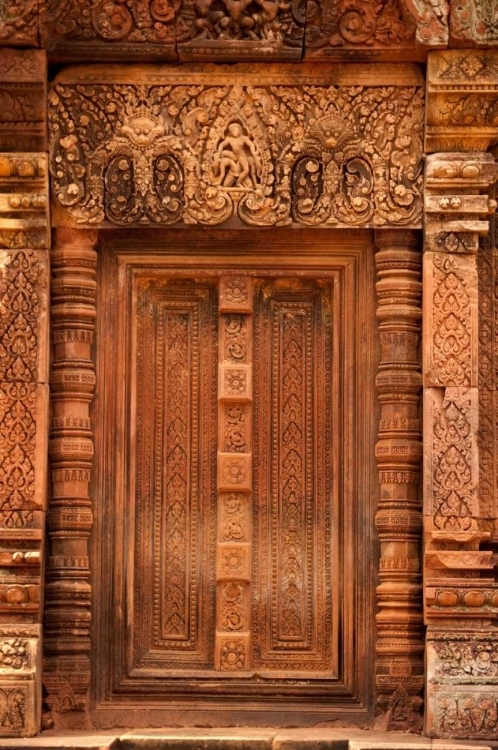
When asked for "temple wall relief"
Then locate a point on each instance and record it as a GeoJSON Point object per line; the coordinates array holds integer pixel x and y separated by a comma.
{"type": "Point", "coordinates": [260, 145]}
{"type": "Point", "coordinates": [460, 511]}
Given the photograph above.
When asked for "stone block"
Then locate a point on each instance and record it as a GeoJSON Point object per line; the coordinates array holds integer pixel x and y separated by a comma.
{"type": "Point", "coordinates": [450, 332]}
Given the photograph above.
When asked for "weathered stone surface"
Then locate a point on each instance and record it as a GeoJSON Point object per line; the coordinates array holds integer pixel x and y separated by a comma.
{"type": "Point", "coordinates": [462, 98]}
{"type": "Point", "coordinates": [23, 100]}
{"type": "Point", "coordinates": [109, 30]}
{"type": "Point", "coordinates": [473, 23]}
{"type": "Point", "coordinates": [19, 22]}
{"type": "Point", "coordinates": [457, 202]}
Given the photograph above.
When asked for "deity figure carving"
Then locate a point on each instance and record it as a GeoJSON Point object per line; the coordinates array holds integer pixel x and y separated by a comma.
{"type": "Point", "coordinates": [237, 160]}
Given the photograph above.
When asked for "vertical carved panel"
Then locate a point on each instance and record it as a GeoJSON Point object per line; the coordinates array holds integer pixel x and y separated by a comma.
{"type": "Point", "coordinates": [232, 649]}
{"type": "Point", "coordinates": [399, 669]}
{"type": "Point", "coordinates": [293, 477]}
{"type": "Point", "coordinates": [460, 590]}
{"type": "Point", "coordinates": [24, 282]}
{"type": "Point", "coordinates": [173, 525]}
{"type": "Point", "coordinates": [68, 591]}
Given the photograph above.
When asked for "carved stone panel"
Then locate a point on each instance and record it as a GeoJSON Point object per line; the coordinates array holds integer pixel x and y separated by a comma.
{"type": "Point", "coordinates": [473, 23]}
{"type": "Point", "coordinates": [19, 22]}
{"type": "Point", "coordinates": [295, 461]}
{"type": "Point", "coordinates": [462, 100]}
{"type": "Point", "coordinates": [250, 145]}
{"type": "Point", "coordinates": [23, 99]}
{"type": "Point", "coordinates": [227, 487]}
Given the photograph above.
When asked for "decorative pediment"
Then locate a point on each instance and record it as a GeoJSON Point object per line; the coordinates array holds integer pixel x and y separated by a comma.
{"type": "Point", "coordinates": [243, 30]}
{"type": "Point", "coordinates": [253, 145]}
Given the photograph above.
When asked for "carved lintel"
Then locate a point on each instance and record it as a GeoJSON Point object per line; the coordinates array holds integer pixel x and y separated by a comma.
{"type": "Point", "coordinates": [269, 154]}
{"type": "Point", "coordinates": [67, 611]}
{"type": "Point", "coordinates": [399, 666]}
{"type": "Point", "coordinates": [462, 100]}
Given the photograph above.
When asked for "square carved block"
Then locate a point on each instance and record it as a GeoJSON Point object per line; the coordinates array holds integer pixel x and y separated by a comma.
{"type": "Point", "coordinates": [235, 428]}
{"type": "Point", "coordinates": [232, 652]}
{"type": "Point", "coordinates": [234, 562]}
{"type": "Point", "coordinates": [234, 517]}
{"type": "Point", "coordinates": [235, 383]}
{"type": "Point", "coordinates": [20, 707]}
{"type": "Point", "coordinates": [236, 294]}
{"type": "Point", "coordinates": [234, 471]}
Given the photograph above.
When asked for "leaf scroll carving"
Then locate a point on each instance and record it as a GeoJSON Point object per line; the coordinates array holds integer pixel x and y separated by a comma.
{"type": "Point", "coordinates": [261, 155]}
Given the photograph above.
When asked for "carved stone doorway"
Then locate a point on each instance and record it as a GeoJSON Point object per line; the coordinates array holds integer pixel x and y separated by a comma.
{"type": "Point", "coordinates": [235, 482]}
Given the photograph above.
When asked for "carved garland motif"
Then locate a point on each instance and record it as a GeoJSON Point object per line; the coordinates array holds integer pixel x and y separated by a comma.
{"type": "Point", "coordinates": [161, 154]}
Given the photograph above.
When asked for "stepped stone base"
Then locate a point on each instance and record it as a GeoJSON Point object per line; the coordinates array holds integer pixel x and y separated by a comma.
{"type": "Point", "coordinates": [239, 739]}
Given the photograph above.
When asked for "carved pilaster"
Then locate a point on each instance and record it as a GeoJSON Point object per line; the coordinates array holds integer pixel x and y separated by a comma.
{"type": "Point", "coordinates": [24, 277]}
{"type": "Point", "coordinates": [234, 474]}
{"type": "Point", "coordinates": [67, 612]}
{"type": "Point", "coordinates": [460, 590]}
{"type": "Point", "coordinates": [399, 666]}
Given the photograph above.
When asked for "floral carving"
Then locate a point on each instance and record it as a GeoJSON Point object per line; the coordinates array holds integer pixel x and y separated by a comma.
{"type": "Point", "coordinates": [475, 22]}
{"type": "Point", "coordinates": [452, 329]}
{"type": "Point", "coordinates": [234, 517]}
{"type": "Point", "coordinates": [463, 656]}
{"type": "Point", "coordinates": [233, 607]}
{"type": "Point", "coordinates": [20, 308]}
{"type": "Point", "coordinates": [453, 471]}
{"type": "Point", "coordinates": [233, 654]}
{"type": "Point", "coordinates": [462, 713]}
{"type": "Point", "coordinates": [352, 24]}
{"type": "Point", "coordinates": [14, 653]}
{"type": "Point", "coordinates": [70, 26]}
{"type": "Point", "coordinates": [12, 710]}
{"type": "Point", "coordinates": [314, 155]}
{"type": "Point", "coordinates": [18, 21]}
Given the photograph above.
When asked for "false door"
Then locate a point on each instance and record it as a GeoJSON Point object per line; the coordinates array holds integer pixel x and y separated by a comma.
{"type": "Point", "coordinates": [235, 424]}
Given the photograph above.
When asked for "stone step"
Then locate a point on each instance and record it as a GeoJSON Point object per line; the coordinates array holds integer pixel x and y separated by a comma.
{"type": "Point", "coordinates": [316, 738]}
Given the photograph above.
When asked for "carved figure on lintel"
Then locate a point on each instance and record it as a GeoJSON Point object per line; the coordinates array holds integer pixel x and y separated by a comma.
{"type": "Point", "coordinates": [239, 19]}
{"type": "Point", "coordinates": [237, 161]}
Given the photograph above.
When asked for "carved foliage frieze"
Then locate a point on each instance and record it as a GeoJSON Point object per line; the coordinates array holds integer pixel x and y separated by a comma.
{"type": "Point", "coordinates": [374, 28]}
{"type": "Point", "coordinates": [163, 153]}
{"type": "Point", "coordinates": [114, 28]}
{"type": "Point", "coordinates": [462, 105]}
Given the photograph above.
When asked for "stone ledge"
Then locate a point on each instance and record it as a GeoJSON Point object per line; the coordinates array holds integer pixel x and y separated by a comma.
{"type": "Point", "coordinates": [237, 739]}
